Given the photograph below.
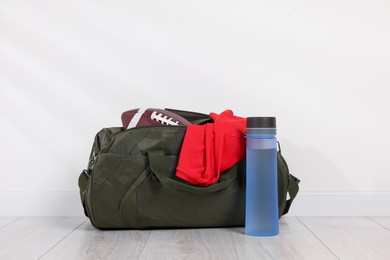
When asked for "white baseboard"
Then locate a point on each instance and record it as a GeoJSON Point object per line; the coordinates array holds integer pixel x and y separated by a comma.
{"type": "Point", "coordinates": [341, 204]}
{"type": "Point", "coordinates": [68, 204]}
{"type": "Point", "coordinates": [50, 204]}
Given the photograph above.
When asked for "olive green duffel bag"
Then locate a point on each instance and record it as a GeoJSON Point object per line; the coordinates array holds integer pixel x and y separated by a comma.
{"type": "Point", "coordinates": [130, 182]}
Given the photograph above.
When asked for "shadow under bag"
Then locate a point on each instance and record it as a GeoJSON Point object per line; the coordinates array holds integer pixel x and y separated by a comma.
{"type": "Point", "coordinates": [130, 182]}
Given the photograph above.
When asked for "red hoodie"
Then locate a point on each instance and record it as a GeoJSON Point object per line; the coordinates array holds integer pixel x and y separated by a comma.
{"type": "Point", "coordinates": [210, 149]}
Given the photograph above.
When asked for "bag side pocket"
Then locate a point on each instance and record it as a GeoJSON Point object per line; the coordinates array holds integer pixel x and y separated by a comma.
{"type": "Point", "coordinates": [111, 177]}
{"type": "Point", "coordinates": [128, 206]}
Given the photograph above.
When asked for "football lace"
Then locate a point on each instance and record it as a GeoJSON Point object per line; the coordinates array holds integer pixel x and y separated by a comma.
{"type": "Point", "coordinates": [163, 119]}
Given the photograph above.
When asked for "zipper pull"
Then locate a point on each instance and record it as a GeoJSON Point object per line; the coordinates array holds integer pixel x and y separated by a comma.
{"type": "Point", "coordinates": [154, 178]}
{"type": "Point", "coordinates": [91, 163]}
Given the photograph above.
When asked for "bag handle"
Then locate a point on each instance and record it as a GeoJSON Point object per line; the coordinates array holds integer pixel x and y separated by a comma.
{"type": "Point", "coordinates": [157, 165]}
{"type": "Point", "coordinates": [193, 117]}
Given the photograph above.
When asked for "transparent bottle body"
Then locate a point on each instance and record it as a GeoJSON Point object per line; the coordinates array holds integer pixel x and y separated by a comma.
{"type": "Point", "coordinates": [262, 214]}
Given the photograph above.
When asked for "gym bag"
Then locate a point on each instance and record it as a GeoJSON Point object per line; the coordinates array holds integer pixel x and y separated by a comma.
{"type": "Point", "coordinates": [130, 182]}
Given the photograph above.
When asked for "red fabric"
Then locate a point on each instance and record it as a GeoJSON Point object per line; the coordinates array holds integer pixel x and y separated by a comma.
{"type": "Point", "coordinates": [210, 149]}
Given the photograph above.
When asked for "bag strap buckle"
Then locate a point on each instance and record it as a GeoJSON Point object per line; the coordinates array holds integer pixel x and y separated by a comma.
{"type": "Point", "coordinates": [293, 178]}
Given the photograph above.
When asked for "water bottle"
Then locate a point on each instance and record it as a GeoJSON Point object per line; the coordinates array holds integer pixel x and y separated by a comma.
{"type": "Point", "coordinates": [262, 215]}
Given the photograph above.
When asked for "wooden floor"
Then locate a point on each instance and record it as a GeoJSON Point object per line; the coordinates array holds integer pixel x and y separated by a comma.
{"type": "Point", "coordinates": [299, 238]}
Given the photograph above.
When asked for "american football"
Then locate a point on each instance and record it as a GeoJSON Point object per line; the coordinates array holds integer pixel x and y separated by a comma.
{"type": "Point", "coordinates": [151, 117]}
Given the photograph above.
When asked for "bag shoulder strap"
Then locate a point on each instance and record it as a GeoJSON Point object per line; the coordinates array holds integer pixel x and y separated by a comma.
{"type": "Point", "coordinates": [292, 184]}
{"type": "Point", "coordinates": [292, 189]}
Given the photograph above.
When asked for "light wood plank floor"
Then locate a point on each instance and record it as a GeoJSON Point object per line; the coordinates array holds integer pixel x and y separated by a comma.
{"type": "Point", "coordinates": [299, 238]}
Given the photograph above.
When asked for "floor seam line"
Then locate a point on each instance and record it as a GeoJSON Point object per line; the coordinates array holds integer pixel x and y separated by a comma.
{"type": "Point", "coordinates": [13, 221]}
{"type": "Point", "coordinates": [143, 248]}
{"type": "Point", "coordinates": [61, 240]}
{"type": "Point", "coordinates": [378, 224]}
{"type": "Point", "coordinates": [318, 239]}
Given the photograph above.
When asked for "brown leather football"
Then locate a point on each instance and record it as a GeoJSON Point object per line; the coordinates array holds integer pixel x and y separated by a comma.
{"type": "Point", "coordinates": [151, 117]}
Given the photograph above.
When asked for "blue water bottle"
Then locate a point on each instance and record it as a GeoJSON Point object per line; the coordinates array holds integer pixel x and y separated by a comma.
{"type": "Point", "coordinates": [262, 215]}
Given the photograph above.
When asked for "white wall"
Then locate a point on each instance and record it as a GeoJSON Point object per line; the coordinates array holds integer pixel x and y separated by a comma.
{"type": "Point", "coordinates": [69, 68]}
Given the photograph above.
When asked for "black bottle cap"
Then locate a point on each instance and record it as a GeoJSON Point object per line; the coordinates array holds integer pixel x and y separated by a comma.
{"type": "Point", "coordinates": [261, 122]}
